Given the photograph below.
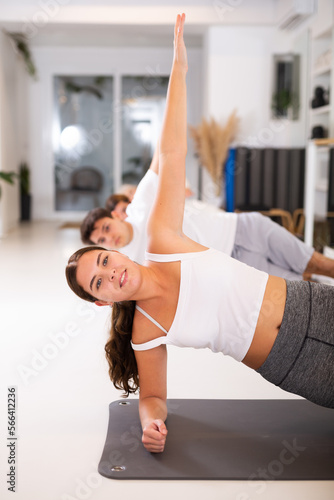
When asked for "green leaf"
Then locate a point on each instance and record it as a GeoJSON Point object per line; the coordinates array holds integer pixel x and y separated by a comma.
{"type": "Point", "coordinates": [8, 177]}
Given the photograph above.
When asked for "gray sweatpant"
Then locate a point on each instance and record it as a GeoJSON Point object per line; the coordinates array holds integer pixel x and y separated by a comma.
{"type": "Point", "coordinates": [267, 246]}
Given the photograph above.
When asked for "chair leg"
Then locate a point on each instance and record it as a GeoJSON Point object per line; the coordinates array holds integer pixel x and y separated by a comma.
{"type": "Point", "coordinates": [285, 216]}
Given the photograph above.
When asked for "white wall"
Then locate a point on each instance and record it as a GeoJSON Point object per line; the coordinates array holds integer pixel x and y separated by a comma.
{"type": "Point", "coordinates": [239, 75]}
{"type": "Point", "coordinates": [52, 61]}
{"type": "Point", "coordinates": [10, 131]}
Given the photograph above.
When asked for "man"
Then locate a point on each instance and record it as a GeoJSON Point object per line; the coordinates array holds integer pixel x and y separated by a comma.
{"type": "Point", "coordinates": [249, 237]}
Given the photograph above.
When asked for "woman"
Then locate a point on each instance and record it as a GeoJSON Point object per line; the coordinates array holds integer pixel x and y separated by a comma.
{"type": "Point", "coordinates": [201, 297]}
{"type": "Point", "coordinates": [118, 203]}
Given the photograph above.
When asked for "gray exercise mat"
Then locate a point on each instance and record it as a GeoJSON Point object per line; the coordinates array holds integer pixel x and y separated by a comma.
{"type": "Point", "coordinates": [224, 439]}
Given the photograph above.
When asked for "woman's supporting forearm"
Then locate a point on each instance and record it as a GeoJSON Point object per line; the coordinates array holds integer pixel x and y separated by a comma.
{"type": "Point", "coordinates": [153, 413]}
{"type": "Point", "coordinates": [152, 408]}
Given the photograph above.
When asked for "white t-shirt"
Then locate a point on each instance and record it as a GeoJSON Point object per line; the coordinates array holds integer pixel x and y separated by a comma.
{"type": "Point", "coordinates": [202, 222]}
{"type": "Point", "coordinates": [138, 211]}
{"type": "Point", "coordinates": [209, 225]}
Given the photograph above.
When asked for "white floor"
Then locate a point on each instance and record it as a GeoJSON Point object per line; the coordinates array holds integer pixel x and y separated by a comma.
{"type": "Point", "coordinates": [52, 351]}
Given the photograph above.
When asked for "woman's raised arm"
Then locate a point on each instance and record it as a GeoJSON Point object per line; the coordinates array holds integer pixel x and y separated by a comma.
{"type": "Point", "coordinates": [167, 212]}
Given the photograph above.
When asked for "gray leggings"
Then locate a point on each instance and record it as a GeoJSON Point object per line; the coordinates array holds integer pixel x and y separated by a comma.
{"type": "Point", "coordinates": [302, 358]}
{"type": "Point", "coordinates": [265, 245]}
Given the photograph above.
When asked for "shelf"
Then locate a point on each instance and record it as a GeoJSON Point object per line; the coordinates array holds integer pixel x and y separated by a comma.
{"type": "Point", "coordinates": [321, 74]}
{"type": "Point", "coordinates": [322, 148]}
{"type": "Point", "coordinates": [324, 70]}
{"type": "Point", "coordinates": [321, 111]}
{"type": "Point", "coordinates": [324, 142]}
{"type": "Point", "coordinates": [322, 185]}
{"type": "Point", "coordinates": [327, 33]}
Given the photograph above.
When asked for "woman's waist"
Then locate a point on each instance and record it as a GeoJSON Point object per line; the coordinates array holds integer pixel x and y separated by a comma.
{"type": "Point", "coordinates": [269, 322]}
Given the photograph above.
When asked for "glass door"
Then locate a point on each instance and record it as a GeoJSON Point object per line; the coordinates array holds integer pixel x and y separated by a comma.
{"type": "Point", "coordinates": [83, 141]}
{"type": "Point", "coordinates": [143, 103]}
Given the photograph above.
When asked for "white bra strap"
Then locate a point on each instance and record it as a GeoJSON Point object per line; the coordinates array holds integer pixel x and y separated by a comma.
{"type": "Point", "coordinates": [151, 319]}
{"type": "Point", "coordinates": [150, 344]}
{"type": "Point", "coordinates": [173, 257]}
{"type": "Point", "coordinates": [166, 257]}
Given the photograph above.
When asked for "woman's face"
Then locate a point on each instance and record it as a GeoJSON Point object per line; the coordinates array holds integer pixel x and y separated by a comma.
{"type": "Point", "coordinates": [120, 209]}
{"type": "Point", "coordinates": [108, 275]}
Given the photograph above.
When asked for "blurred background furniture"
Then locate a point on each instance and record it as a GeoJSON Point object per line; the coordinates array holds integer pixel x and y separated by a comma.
{"type": "Point", "coordinates": [85, 183]}
{"type": "Point", "coordinates": [270, 181]}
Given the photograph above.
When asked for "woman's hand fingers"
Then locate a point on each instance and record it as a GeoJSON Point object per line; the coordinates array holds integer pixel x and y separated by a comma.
{"type": "Point", "coordinates": [154, 436]}
{"type": "Point", "coordinates": [178, 29]}
{"type": "Point", "coordinates": [180, 53]}
{"type": "Point", "coordinates": [179, 25]}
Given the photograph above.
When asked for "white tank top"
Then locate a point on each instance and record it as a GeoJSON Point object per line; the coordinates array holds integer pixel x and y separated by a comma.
{"type": "Point", "coordinates": [218, 306]}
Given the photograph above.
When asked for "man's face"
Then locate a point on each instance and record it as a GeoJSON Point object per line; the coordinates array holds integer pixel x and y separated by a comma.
{"type": "Point", "coordinates": [111, 233]}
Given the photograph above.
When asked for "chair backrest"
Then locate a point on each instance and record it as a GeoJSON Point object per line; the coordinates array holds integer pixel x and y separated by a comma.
{"type": "Point", "coordinates": [86, 179]}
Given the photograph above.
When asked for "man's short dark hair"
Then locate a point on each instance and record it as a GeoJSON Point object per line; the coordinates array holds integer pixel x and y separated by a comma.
{"type": "Point", "coordinates": [87, 226]}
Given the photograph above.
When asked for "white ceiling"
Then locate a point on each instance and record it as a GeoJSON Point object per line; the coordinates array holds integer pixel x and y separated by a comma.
{"type": "Point", "coordinates": [127, 22]}
{"type": "Point", "coordinates": [107, 35]}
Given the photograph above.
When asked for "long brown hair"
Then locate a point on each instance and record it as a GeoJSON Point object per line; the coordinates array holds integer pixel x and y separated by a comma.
{"type": "Point", "coordinates": [123, 370]}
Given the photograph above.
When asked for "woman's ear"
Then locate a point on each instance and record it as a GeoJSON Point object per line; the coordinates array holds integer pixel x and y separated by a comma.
{"type": "Point", "coordinates": [103, 303]}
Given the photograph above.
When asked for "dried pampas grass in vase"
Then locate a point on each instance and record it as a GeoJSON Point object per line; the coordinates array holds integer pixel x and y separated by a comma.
{"type": "Point", "coordinates": [212, 142]}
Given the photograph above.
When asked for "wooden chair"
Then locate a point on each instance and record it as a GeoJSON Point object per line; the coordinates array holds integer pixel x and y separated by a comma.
{"type": "Point", "coordinates": [285, 218]}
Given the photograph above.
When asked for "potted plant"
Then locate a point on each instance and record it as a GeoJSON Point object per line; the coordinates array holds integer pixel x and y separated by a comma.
{"type": "Point", "coordinates": [24, 176]}
{"type": "Point", "coordinates": [7, 177]}
{"type": "Point", "coordinates": [212, 142]}
{"type": "Point", "coordinates": [285, 104]}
